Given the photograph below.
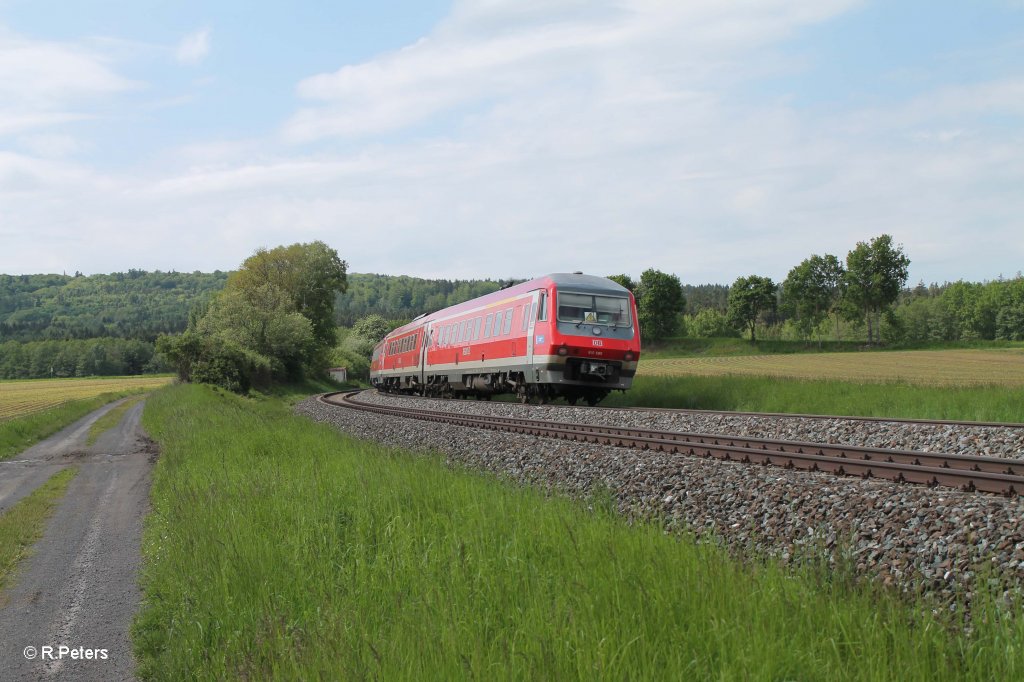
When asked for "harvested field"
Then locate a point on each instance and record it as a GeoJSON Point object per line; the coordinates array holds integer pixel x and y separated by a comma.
{"type": "Point", "coordinates": [1003, 367]}
{"type": "Point", "coordinates": [18, 398]}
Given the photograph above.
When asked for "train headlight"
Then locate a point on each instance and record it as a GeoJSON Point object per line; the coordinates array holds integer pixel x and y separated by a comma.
{"type": "Point", "coordinates": [563, 351]}
{"type": "Point", "coordinates": [629, 356]}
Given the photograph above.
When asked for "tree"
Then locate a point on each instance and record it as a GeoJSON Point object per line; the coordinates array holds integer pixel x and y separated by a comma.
{"type": "Point", "coordinates": [273, 320]}
{"type": "Point", "coordinates": [749, 298]}
{"type": "Point", "coordinates": [372, 328]}
{"type": "Point", "coordinates": [875, 273]}
{"type": "Point", "coordinates": [264, 322]}
{"type": "Point", "coordinates": [624, 280]}
{"type": "Point", "coordinates": [660, 305]}
{"type": "Point", "coordinates": [710, 323]}
{"type": "Point", "coordinates": [309, 275]}
{"type": "Point", "coordinates": [812, 290]}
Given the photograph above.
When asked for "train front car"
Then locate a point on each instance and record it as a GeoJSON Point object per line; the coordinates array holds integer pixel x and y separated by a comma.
{"type": "Point", "coordinates": [593, 339]}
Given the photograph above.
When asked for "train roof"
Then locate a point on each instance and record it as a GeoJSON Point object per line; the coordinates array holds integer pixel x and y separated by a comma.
{"type": "Point", "coordinates": [575, 281]}
{"type": "Point", "coordinates": [588, 283]}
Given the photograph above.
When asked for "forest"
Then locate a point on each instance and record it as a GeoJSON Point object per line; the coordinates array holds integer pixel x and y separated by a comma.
{"type": "Point", "coordinates": [62, 325]}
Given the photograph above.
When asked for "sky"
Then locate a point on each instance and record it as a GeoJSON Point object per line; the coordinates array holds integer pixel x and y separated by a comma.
{"type": "Point", "coordinates": [511, 138]}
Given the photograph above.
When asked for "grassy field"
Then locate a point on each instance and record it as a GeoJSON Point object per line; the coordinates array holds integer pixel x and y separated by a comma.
{"type": "Point", "coordinates": [849, 398]}
{"type": "Point", "coordinates": [19, 398]}
{"type": "Point", "coordinates": [280, 549]}
{"type": "Point", "coordinates": [720, 347]}
{"type": "Point", "coordinates": [1003, 367]}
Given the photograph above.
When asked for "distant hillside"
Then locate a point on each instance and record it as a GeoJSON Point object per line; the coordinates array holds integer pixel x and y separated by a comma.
{"type": "Point", "coordinates": [141, 305]}
{"type": "Point", "coordinates": [131, 305]}
{"type": "Point", "coordinates": [401, 297]}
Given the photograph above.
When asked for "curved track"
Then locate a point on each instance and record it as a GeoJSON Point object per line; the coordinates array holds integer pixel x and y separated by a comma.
{"type": "Point", "coordinates": [788, 415]}
{"type": "Point", "coordinates": [964, 472]}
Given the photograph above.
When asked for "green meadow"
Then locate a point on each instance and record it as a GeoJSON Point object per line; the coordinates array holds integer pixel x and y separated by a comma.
{"type": "Point", "coordinates": [824, 396]}
{"type": "Point", "coordinates": [280, 549]}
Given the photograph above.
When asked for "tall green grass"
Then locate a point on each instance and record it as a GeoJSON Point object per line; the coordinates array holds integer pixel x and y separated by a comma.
{"type": "Point", "coordinates": [772, 394]}
{"type": "Point", "coordinates": [22, 432]}
{"type": "Point", "coordinates": [280, 549]}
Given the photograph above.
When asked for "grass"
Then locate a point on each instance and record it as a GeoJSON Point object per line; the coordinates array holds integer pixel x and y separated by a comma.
{"type": "Point", "coordinates": [1004, 367]}
{"type": "Point", "coordinates": [280, 549]}
{"type": "Point", "coordinates": [769, 394]}
{"type": "Point", "coordinates": [111, 419]}
{"type": "Point", "coordinates": [725, 347]}
{"type": "Point", "coordinates": [24, 397]}
{"type": "Point", "coordinates": [22, 525]}
{"type": "Point", "coordinates": [22, 432]}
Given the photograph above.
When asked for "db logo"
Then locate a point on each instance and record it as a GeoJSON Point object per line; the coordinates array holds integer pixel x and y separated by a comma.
{"type": "Point", "coordinates": [598, 342]}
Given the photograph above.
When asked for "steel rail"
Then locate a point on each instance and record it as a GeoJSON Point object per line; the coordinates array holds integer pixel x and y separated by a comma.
{"type": "Point", "coordinates": [772, 415]}
{"type": "Point", "coordinates": [965, 472]}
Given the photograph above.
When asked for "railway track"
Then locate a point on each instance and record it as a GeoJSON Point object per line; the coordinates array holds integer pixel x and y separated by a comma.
{"type": "Point", "coordinates": [787, 415]}
{"type": "Point", "coordinates": [964, 472]}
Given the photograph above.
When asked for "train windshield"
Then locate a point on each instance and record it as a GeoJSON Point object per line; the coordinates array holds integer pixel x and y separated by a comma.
{"type": "Point", "coordinates": [593, 309]}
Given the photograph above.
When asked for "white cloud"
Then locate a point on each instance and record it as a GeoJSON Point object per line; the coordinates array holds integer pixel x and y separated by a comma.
{"type": "Point", "coordinates": [524, 137]}
{"type": "Point", "coordinates": [50, 145]}
{"type": "Point", "coordinates": [39, 73]}
{"type": "Point", "coordinates": [194, 47]}
{"type": "Point", "coordinates": [45, 83]}
{"type": "Point", "coordinates": [521, 50]}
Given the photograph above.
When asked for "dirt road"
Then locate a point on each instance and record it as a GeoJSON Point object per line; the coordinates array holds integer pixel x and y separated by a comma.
{"type": "Point", "coordinates": [79, 590]}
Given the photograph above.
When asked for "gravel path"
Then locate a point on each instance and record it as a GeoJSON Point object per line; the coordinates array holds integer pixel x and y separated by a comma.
{"type": "Point", "coordinates": [910, 536]}
{"type": "Point", "coordinates": [79, 588]}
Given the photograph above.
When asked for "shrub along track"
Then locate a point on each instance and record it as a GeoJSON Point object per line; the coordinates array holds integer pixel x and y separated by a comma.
{"type": "Point", "coordinates": [964, 472]}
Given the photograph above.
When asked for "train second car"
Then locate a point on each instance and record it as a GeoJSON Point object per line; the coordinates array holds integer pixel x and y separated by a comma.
{"type": "Point", "coordinates": [565, 335]}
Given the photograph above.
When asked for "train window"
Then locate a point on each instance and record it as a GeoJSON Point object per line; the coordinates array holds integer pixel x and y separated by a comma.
{"type": "Point", "coordinates": [462, 331]}
{"type": "Point", "coordinates": [487, 325]}
{"type": "Point", "coordinates": [476, 328]}
{"type": "Point", "coordinates": [443, 338]}
{"type": "Point", "coordinates": [591, 309]}
{"type": "Point", "coordinates": [533, 310]}
{"type": "Point", "coordinates": [526, 316]}
{"type": "Point", "coordinates": [496, 329]}
{"type": "Point", "coordinates": [542, 311]}
{"type": "Point", "coordinates": [508, 323]}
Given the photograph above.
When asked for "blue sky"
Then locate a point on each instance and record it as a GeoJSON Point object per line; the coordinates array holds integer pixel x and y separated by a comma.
{"type": "Point", "coordinates": [502, 138]}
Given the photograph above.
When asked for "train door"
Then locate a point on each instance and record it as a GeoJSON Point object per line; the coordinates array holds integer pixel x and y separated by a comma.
{"type": "Point", "coordinates": [424, 347]}
{"type": "Point", "coordinates": [532, 314]}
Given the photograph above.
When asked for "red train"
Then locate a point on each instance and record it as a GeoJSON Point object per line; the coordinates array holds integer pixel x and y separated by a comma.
{"type": "Point", "coordinates": [563, 335]}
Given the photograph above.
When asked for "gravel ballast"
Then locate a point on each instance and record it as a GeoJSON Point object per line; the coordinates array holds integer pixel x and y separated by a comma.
{"type": "Point", "coordinates": [912, 537]}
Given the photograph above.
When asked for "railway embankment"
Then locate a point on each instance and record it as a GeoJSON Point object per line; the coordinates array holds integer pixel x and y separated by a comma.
{"type": "Point", "coordinates": [916, 538]}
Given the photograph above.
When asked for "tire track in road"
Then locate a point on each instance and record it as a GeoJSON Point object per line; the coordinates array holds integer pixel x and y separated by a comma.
{"type": "Point", "coordinates": [80, 589]}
